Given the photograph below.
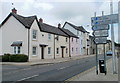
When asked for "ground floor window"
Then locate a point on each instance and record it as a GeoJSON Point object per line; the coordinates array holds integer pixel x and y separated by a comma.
{"type": "Point", "coordinates": [66, 50]}
{"type": "Point", "coordinates": [17, 50]}
{"type": "Point", "coordinates": [49, 50]}
{"type": "Point", "coordinates": [34, 51]}
{"type": "Point", "coordinates": [57, 50]}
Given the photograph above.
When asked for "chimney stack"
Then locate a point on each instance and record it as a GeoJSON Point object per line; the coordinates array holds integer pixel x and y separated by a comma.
{"type": "Point", "coordinates": [59, 25]}
{"type": "Point", "coordinates": [14, 11]}
{"type": "Point", "coordinates": [41, 20]}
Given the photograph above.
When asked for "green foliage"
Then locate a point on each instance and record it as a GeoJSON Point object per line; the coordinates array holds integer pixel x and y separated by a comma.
{"type": "Point", "coordinates": [18, 58]}
{"type": "Point", "coordinates": [5, 58]}
{"type": "Point", "coordinates": [14, 58]}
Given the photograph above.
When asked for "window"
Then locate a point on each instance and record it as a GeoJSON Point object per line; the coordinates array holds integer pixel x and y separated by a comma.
{"type": "Point", "coordinates": [57, 51]}
{"type": "Point", "coordinates": [17, 50]}
{"type": "Point", "coordinates": [34, 34]}
{"type": "Point", "coordinates": [66, 50]}
{"type": "Point", "coordinates": [81, 41]}
{"type": "Point", "coordinates": [49, 50]}
{"type": "Point", "coordinates": [72, 49]}
{"type": "Point", "coordinates": [34, 51]}
{"type": "Point", "coordinates": [76, 50]}
{"type": "Point", "coordinates": [76, 39]}
{"type": "Point", "coordinates": [57, 38]}
{"type": "Point", "coordinates": [72, 39]}
{"type": "Point", "coordinates": [66, 39]}
{"type": "Point", "coordinates": [49, 36]}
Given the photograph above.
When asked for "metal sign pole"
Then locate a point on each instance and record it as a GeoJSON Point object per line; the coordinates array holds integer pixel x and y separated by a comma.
{"type": "Point", "coordinates": [96, 56]}
{"type": "Point", "coordinates": [104, 52]}
{"type": "Point", "coordinates": [112, 38]}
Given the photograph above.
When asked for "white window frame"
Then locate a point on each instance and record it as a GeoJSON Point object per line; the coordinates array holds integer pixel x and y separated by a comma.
{"type": "Point", "coordinates": [15, 50]}
{"type": "Point", "coordinates": [34, 34]}
{"type": "Point", "coordinates": [49, 50]}
{"type": "Point", "coordinates": [36, 51]}
{"type": "Point", "coordinates": [57, 51]}
{"type": "Point", "coordinates": [49, 36]}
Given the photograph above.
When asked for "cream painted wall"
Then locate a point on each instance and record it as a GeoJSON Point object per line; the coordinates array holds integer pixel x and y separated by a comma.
{"type": "Point", "coordinates": [13, 31]}
{"type": "Point", "coordinates": [59, 43]}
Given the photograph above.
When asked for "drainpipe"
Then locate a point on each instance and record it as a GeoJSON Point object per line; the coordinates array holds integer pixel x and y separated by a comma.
{"type": "Point", "coordinates": [54, 46]}
{"type": "Point", "coordinates": [28, 43]}
{"type": "Point", "coordinates": [69, 48]}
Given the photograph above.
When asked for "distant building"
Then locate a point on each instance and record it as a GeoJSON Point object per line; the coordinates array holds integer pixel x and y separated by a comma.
{"type": "Point", "coordinates": [83, 37]}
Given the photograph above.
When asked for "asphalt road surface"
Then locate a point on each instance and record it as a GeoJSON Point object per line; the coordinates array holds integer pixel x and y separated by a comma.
{"type": "Point", "coordinates": [49, 72]}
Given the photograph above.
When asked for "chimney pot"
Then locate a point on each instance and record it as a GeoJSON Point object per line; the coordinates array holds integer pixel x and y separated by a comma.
{"type": "Point", "coordinates": [14, 11]}
{"type": "Point", "coordinates": [59, 25]}
{"type": "Point", "coordinates": [41, 20]}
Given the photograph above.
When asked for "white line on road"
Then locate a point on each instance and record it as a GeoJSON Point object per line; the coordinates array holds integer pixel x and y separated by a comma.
{"type": "Point", "coordinates": [28, 77]}
{"type": "Point", "coordinates": [63, 67]}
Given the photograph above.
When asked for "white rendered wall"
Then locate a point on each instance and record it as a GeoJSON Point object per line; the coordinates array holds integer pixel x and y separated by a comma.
{"type": "Point", "coordinates": [13, 31]}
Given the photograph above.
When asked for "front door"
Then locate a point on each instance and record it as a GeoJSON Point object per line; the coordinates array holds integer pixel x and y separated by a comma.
{"type": "Point", "coordinates": [62, 52]}
{"type": "Point", "coordinates": [42, 52]}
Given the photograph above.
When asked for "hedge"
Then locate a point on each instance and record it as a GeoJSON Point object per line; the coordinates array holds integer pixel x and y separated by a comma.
{"type": "Point", "coordinates": [14, 58]}
{"type": "Point", "coordinates": [5, 57]}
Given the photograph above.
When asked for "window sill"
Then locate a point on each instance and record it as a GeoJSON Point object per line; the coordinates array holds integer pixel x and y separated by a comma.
{"type": "Point", "coordinates": [34, 55]}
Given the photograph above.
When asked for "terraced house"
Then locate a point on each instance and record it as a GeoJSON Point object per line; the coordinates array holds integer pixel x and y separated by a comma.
{"type": "Point", "coordinates": [33, 37]}
{"type": "Point", "coordinates": [82, 34]}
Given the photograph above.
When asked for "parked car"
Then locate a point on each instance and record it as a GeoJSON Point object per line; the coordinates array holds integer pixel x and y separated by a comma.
{"type": "Point", "coordinates": [109, 53]}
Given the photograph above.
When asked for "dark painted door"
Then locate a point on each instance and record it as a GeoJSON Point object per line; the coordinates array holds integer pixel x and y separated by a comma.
{"type": "Point", "coordinates": [62, 52]}
{"type": "Point", "coordinates": [42, 52]}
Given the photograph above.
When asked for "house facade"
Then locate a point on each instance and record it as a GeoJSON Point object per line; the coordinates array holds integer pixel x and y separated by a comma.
{"type": "Point", "coordinates": [73, 43]}
{"type": "Point", "coordinates": [33, 37]}
{"type": "Point", "coordinates": [83, 36]}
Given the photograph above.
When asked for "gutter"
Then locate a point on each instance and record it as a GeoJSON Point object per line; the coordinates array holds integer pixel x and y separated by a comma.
{"type": "Point", "coordinates": [28, 43]}
{"type": "Point", "coordinates": [54, 46]}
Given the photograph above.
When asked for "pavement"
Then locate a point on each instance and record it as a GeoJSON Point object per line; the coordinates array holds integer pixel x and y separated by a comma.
{"type": "Point", "coordinates": [46, 61]}
{"type": "Point", "coordinates": [90, 75]}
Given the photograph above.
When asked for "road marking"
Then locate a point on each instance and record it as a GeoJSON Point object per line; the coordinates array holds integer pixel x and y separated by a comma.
{"type": "Point", "coordinates": [63, 68]}
{"type": "Point", "coordinates": [28, 78]}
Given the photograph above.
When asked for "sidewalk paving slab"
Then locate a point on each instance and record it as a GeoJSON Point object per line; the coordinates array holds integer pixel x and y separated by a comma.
{"type": "Point", "coordinates": [90, 75]}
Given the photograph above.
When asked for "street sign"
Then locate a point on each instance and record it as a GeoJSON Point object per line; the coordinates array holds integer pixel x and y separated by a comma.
{"type": "Point", "coordinates": [100, 40]}
{"type": "Point", "coordinates": [106, 19]}
{"type": "Point", "coordinates": [101, 33]}
{"type": "Point", "coordinates": [100, 27]}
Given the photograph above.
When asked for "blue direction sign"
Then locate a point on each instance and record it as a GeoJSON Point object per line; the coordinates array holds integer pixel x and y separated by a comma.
{"type": "Point", "coordinates": [101, 33]}
{"type": "Point", "coordinates": [101, 27]}
{"type": "Point", "coordinates": [106, 19]}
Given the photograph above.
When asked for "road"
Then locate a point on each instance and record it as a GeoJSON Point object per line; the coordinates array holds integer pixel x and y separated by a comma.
{"type": "Point", "coordinates": [49, 72]}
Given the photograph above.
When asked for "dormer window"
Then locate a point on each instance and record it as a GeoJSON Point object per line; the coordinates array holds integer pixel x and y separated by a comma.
{"type": "Point", "coordinates": [34, 35]}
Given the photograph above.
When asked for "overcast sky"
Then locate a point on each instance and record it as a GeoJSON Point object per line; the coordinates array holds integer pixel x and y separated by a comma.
{"type": "Point", "coordinates": [78, 12]}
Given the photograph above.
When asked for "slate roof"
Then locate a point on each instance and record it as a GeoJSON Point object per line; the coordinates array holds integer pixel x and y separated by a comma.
{"type": "Point", "coordinates": [51, 29]}
{"type": "Point", "coordinates": [79, 28]}
{"type": "Point", "coordinates": [26, 21]}
{"type": "Point", "coordinates": [69, 33]}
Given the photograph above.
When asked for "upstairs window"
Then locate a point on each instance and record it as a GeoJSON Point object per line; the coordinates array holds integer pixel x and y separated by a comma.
{"type": "Point", "coordinates": [34, 34]}
{"type": "Point", "coordinates": [66, 39]}
{"type": "Point", "coordinates": [49, 36]}
{"type": "Point", "coordinates": [72, 39]}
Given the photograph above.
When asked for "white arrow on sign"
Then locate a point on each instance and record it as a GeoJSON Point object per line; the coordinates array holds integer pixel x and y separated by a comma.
{"type": "Point", "coordinates": [101, 27]}
{"type": "Point", "coordinates": [101, 33]}
{"type": "Point", "coordinates": [101, 40]}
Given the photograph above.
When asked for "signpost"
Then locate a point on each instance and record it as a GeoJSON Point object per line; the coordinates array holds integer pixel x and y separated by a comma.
{"type": "Point", "coordinates": [107, 19]}
{"type": "Point", "coordinates": [100, 40]}
{"type": "Point", "coordinates": [101, 33]}
{"type": "Point", "coordinates": [100, 27]}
